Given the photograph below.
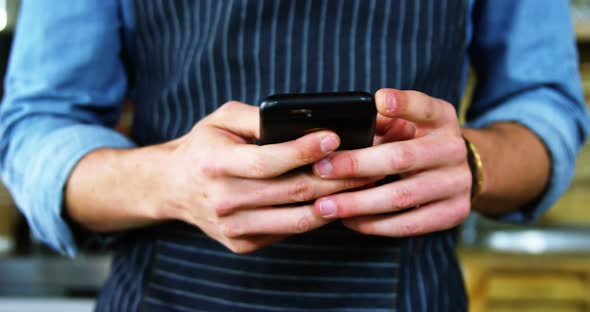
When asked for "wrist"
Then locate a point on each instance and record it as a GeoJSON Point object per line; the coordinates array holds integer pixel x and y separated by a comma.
{"type": "Point", "coordinates": [516, 167]}
{"type": "Point", "coordinates": [116, 189]}
{"type": "Point", "coordinates": [156, 179]}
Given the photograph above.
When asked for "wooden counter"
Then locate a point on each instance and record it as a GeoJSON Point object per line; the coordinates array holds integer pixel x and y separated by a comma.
{"type": "Point", "coordinates": [499, 282]}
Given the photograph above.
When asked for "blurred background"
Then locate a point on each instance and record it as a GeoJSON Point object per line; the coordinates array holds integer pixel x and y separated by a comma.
{"type": "Point", "coordinates": [543, 267]}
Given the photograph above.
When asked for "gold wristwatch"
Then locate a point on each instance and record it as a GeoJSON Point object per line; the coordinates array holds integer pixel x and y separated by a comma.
{"type": "Point", "coordinates": [476, 167]}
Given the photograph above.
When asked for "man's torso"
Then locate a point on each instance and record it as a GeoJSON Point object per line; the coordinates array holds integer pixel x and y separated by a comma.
{"type": "Point", "coordinates": [192, 56]}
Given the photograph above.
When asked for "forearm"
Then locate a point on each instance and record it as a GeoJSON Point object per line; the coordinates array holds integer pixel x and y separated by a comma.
{"type": "Point", "coordinates": [117, 189]}
{"type": "Point", "coordinates": [516, 167]}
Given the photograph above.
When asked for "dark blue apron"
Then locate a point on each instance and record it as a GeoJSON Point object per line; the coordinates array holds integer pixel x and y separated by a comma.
{"type": "Point", "coordinates": [192, 56]}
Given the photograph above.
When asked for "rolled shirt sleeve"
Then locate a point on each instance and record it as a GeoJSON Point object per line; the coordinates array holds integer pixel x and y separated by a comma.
{"type": "Point", "coordinates": [525, 59]}
{"type": "Point", "coordinates": [63, 93]}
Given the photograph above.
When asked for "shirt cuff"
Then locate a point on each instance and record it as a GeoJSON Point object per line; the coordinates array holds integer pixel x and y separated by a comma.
{"type": "Point", "coordinates": [49, 172]}
{"type": "Point", "coordinates": [546, 115]}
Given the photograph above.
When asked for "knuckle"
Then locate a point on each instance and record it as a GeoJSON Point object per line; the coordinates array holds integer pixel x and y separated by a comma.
{"type": "Point", "coordinates": [301, 191]}
{"type": "Point", "coordinates": [230, 229]}
{"type": "Point", "coordinates": [258, 167]}
{"type": "Point", "coordinates": [300, 154]}
{"type": "Point", "coordinates": [366, 228]}
{"type": "Point", "coordinates": [449, 111]}
{"type": "Point", "coordinates": [413, 94]}
{"type": "Point", "coordinates": [405, 159]}
{"type": "Point", "coordinates": [242, 250]}
{"type": "Point", "coordinates": [227, 106]}
{"type": "Point", "coordinates": [410, 229]}
{"type": "Point", "coordinates": [352, 183]}
{"type": "Point", "coordinates": [304, 152]}
{"type": "Point", "coordinates": [459, 180]}
{"type": "Point", "coordinates": [402, 198]}
{"type": "Point", "coordinates": [350, 162]}
{"type": "Point", "coordinates": [351, 209]}
{"type": "Point", "coordinates": [430, 109]}
{"type": "Point", "coordinates": [458, 150]}
{"type": "Point", "coordinates": [460, 212]}
{"type": "Point", "coordinates": [233, 247]}
{"type": "Point", "coordinates": [208, 167]}
{"type": "Point", "coordinates": [303, 225]}
{"type": "Point", "coordinates": [223, 206]}
{"type": "Point", "coordinates": [465, 179]}
{"type": "Point", "coordinates": [239, 247]}
{"type": "Point", "coordinates": [221, 113]}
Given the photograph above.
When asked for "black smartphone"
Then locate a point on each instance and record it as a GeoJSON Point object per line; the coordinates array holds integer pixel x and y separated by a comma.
{"type": "Point", "coordinates": [352, 115]}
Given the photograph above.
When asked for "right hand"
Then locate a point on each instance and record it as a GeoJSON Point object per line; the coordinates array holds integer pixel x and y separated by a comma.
{"type": "Point", "coordinates": [217, 180]}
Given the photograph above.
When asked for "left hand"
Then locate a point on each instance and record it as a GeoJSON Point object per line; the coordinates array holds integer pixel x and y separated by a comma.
{"type": "Point", "coordinates": [418, 137]}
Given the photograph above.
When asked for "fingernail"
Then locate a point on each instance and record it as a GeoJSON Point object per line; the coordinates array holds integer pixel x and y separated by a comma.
{"type": "Point", "coordinates": [328, 144]}
{"type": "Point", "coordinates": [323, 167]}
{"type": "Point", "coordinates": [390, 102]}
{"type": "Point", "coordinates": [327, 208]}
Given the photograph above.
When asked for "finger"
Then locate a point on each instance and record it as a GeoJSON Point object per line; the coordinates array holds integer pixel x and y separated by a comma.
{"type": "Point", "coordinates": [434, 217]}
{"type": "Point", "coordinates": [393, 158]}
{"type": "Point", "coordinates": [414, 106]}
{"type": "Point", "coordinates": [250, 243]}
{"type": "Point", "coordinates": [407, 132]}
{"type": "Point", "coordinates": [292, 188]}
{"type": "Point", "coordinates": [272, 220]}
{"type": "Point", "coordinates": [393, 130]}
{"type": "Point", "coordinates": [240, 245]}
{"type": "Point", "coordinates": [386, 124]}
{"type": "Point", "coordinates": [422, 188]}
{"type": "Point", "coordinates": [267, 161]}
{"type": "Point", "coordinates": [238, 118]}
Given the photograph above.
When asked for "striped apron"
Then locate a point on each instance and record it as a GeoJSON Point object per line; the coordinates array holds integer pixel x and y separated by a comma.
{"type": "Point", "coordinates": [192, 56]}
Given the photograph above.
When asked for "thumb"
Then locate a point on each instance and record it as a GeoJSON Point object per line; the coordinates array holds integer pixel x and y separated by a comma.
{"type": "Point", "coordinates": [238, 118]}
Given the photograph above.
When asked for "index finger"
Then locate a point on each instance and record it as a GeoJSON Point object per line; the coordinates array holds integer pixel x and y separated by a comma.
{"type": "Point", "coordinates": [268, 161]}
{"type": "Point", "coordinates": [414, 106]}
{"type": "Point", "coordinates": [393, 129]}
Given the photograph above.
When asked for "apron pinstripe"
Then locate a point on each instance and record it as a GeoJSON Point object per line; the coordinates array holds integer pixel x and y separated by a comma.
{"type": "Point", "coordinates": [192, 56]}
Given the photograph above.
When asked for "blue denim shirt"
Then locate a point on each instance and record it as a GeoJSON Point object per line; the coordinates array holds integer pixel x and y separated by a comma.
{"type": "Point", "coordinates": [66, 82]}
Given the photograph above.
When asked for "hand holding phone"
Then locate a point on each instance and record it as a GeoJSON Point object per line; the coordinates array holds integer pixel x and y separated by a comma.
{"type": "Point", "coordinates": [351, 115]}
